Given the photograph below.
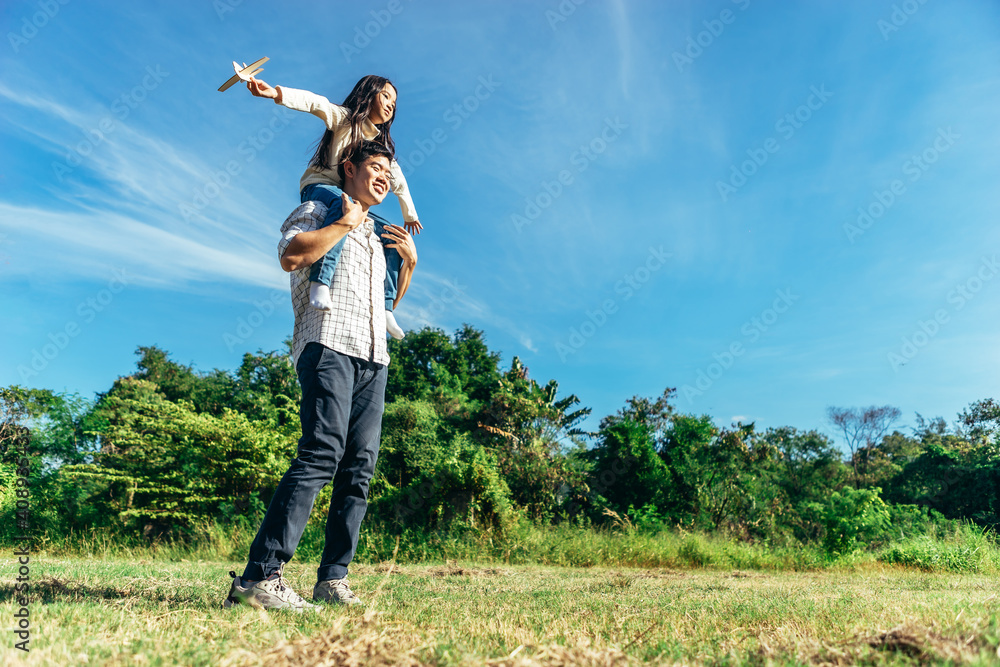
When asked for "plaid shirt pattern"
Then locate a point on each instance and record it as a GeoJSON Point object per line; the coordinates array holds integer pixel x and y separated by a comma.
{"type": "Point", "coordinates": [356, 324]}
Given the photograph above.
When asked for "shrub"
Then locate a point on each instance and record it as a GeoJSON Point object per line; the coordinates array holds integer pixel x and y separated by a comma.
{"type": "Point", "coordinates": [967, 548]}
{"type": "Point", "coordinates": [848, 516]}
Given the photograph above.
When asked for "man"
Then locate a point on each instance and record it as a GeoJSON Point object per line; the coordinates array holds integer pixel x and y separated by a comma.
{"type": "Point", "coordinates": [341, 360]}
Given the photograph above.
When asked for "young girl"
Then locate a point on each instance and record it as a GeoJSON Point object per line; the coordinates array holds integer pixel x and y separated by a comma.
{"type": "Point", "coordinates": [366, 114]}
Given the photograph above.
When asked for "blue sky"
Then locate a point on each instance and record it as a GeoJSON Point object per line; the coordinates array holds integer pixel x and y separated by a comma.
{"type": "Point", "coordinates": [774, 207]}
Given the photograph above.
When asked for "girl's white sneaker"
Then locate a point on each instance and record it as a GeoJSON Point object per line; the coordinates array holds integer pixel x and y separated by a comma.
{"type": "Point", "coordinates": [319, 296]}
{"type": "Point", "coordinates": [392, 327]}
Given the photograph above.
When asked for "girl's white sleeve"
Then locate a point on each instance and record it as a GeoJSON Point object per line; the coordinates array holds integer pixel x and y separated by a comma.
{"type": "Point", "coordinates": [403, 192]}
{"type": "Point", "coordinates": [332, 114]}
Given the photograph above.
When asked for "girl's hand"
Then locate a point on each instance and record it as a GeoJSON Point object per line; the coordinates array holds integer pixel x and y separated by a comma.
{"type": "Point", "coordinates": [413, 227]}
{"type": "Point", "coordinates": [261, 89]}
{"type": "Point", "coordinates": [401, 240]}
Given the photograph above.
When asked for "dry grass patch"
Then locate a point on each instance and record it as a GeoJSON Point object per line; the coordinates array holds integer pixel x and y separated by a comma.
{"type": "Point", "coordinates": [582, 654]}
{"type": "Point", "coordinates": [911, 644]}
{"type": "Point", "coordinates": [451, 569]}
{"type": "Point", "coordinates": [351, 641]}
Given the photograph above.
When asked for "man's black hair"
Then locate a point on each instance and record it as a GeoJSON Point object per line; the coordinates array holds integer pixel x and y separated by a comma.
{"type": "Point", "coordinates": [366, 150]}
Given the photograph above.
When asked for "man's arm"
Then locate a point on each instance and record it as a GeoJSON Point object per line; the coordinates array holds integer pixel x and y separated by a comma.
{"type": "Point", "coordinates": [398, 238]}
{"type": "Point", "coordinates": [306, 248]}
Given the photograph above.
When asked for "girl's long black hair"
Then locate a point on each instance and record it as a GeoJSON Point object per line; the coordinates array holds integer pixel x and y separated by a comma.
{"type": "Point", "coordinates": [358, 104]}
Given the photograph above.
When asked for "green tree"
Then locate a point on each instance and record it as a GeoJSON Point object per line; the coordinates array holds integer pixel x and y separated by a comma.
{"type": "Point", "coordinates": [163, 466]}
{"type": "Point", "coordinates": [18, 407]}
{"type": "Point", "coordinates": [653, 413]}
{"type": "Point", "coordinates": [411, 440]}
{"type": "Point", "coordinates": [530, 431]}
{"type": "Point", "coordinates": [809, 469]}
{"type": "Point", "coordinates": [684, 449]}
{"type": "Point", "coordinates": [207, 392]}
{"type": "Point", "coordinates": [955, 473]}
{"type": "Point", "coordinates": [627, 472]}
{"type": "Point", "coordinates": [863, 429]}
{"type": "Point", "coordinates": [419, 359]}
{"type": "Point", "coordinates": [982, 419]}
{"type": "Point", "coordinates": [266, 388]}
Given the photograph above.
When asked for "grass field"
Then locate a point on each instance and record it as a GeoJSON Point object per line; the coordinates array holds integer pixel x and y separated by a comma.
{"type": "Point", "coordinates": [136, 612]}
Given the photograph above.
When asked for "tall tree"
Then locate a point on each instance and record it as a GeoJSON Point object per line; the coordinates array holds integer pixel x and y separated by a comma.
{"type": "Point", "coordinates": [982, 419]}
{"type": "Point", "coordinates": [207, 392]}
{"type": "Point", "coordinates": [529, 429]}
{"type": "Point", "coordinates": [419, 359]}
{"type": "Point", "coordinates": [863, 428]}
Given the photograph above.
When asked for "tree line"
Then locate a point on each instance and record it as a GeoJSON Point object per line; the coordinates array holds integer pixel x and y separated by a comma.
{"type": "Point", "coordinates": [470, 444]}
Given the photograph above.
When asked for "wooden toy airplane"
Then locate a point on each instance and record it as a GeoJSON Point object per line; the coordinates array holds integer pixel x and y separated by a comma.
{"type": "Point", "coordinates": [243, 73]}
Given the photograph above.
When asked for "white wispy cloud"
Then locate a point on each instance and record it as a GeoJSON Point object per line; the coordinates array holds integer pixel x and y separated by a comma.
{"type": "Point", "coordinates": [120, 204]}
{"type": "Point", "coordinates": [445, 302]}
{"type": "Point", "coordinates": [86, 244]}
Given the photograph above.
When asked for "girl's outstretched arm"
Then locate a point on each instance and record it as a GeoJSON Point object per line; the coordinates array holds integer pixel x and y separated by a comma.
{"type": "Point", "coordinates": [260, 89]}
{"type": "Point", "coordinates": [333, 116]}
{"type": "Point", "coordinates": [402, 191]}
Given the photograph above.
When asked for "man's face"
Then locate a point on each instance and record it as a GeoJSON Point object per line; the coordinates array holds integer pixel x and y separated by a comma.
{"type": "Point", "coordinates": [369, 182]}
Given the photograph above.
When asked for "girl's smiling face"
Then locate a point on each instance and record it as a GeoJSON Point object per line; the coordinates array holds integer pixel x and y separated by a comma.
{"type": "Point", "coordinates": [383, 106]}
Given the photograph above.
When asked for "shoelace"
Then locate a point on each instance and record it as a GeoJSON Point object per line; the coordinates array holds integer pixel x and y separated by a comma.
{"type": "Point", "coordinates": [342, 588]}
{"type": "Point", "coordinates": [284, 589]}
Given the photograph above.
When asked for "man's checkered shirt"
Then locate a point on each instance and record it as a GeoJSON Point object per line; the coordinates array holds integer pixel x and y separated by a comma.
{"type": "Point", "coordinates": [356, 324]}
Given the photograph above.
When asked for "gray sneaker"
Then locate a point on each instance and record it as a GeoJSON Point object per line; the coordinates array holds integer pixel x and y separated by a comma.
{"type": "Point", "coordinates": [271, 593]}
{"type": "Point", "coordinates": [337, 591]}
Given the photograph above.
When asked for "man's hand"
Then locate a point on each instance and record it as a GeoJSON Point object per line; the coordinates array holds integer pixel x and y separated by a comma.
{"type": "Point", "coordinates": [401, 240]}
{"type": "Point", "coordinates": [307, 247]}
{"type": "Point", "coordinates": [353, 215]}
{"type": "Point", "coordinates": [260, 89]}
{"type": "Point", "coordinates": [413, 227]}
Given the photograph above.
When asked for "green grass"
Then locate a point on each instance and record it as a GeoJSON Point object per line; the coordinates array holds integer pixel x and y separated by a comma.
{"type": "Point", "coordinates": [966, 549]}
{"type": "Point", "coordinates": [166, 612]}
{"type": "Point", "coordinates": [535, 595]}
{"type": "Point", "coordinates": [962, 548]}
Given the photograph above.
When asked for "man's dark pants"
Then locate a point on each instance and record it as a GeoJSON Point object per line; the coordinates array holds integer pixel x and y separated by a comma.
{"type": "Point", "coordinates": [341, 412]}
